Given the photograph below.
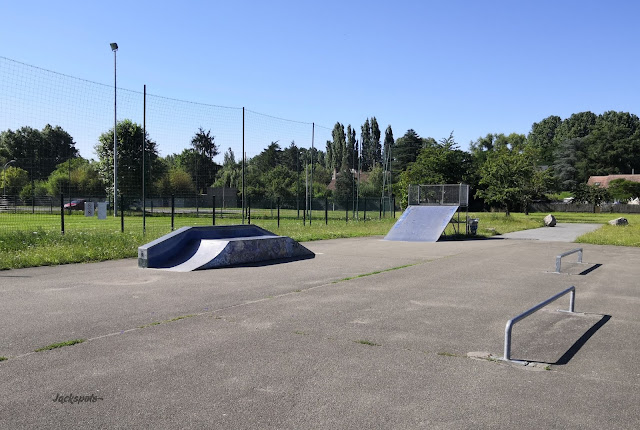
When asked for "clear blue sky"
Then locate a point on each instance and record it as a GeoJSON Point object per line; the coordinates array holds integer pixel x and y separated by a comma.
{"type": "Point", "coordinates": [435, 66]}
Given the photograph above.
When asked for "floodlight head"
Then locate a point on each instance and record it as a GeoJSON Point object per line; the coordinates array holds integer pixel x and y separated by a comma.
{"type": "Point", "coordinates": [114, 47]}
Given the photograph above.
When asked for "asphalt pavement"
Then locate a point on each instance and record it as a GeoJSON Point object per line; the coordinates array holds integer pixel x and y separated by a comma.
{"type": "Point", "coordinates": [561, 232]}
{"type": "Point", "coordinates": [369, 334]}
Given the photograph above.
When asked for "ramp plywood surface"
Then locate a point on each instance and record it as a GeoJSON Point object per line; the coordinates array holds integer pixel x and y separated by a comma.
{"type": "Point", "coordinates": [421, 223]}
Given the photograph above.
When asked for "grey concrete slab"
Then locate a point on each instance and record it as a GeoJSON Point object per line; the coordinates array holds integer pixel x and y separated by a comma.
{"type": "Point", "coordinates": [561, 232]}
{"type": "Point", "coordinates": [280, 346]}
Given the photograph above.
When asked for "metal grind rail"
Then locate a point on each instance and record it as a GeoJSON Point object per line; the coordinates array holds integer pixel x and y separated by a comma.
{"type": "Point", "coordinates": [512, 321]}
{"type": "Point", "coordinates": [564, 254]}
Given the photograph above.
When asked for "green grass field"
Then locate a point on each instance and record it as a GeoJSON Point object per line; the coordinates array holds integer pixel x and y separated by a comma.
{"type": "Point", "coordinates": [28, 240]}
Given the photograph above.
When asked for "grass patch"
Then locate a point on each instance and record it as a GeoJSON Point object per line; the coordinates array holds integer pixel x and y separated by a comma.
{"type": "Point", "coordinates": [170, 320]}
{"type": "Point", "coordinates": [92, 240]}
{"type": "Point", "coordinates": [620, 235]}
{"type": "Point", "coordinates": [300, 333]}
{"type": "Point", "coordinates": [180, 318]}
{"type": "Point", "coordinates": [60, 345]}
{"type": "Point", "coordinates": [150, 324]}
{"type": "Point", "coordinates": [3, 358]}
{"type": "Point", "coordinates": [447, 354]}
{"type": "Point", "coordinates": [491, 224]}
{"type": "Point", "coordinates": [29, 240]}
{"type": "Point", "coordinates": [367, 342]}
{"type": "Point", "coordinates": [373, 273]}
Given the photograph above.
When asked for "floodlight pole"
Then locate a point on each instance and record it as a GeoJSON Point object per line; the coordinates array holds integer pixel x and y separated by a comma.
{"type": "Point", "coordinates": [4, 177]}
{"type": "Point", "coordinates": [114, 48]}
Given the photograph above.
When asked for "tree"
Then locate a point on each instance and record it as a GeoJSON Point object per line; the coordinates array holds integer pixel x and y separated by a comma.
{"type": "Point", "coordinates": [37, 152]}
{"type": "Point", "coordinates": [371, 149]}
{"type": "Point", "coordinates": [443, 163]}
{"type": "Point", "coordinates": [591, 194]}
{"type": "Point", "coordinates": [177, 182]}
{"type": "Point", "coordinates": [180, 182]}
{"type": "Point", "coordinates": [542, 137]}
{"type": "Point", "coordinates": [75, 177]}
{"type": "Point", "coordinates": [230, 175]}
{"type": "Point", "coordinates": [337, 148]}
{"type": "Point", "coordinates": [623, 190]}
{"type": "Point", "coordinates": [387, 151]}
{"type": "Point", "coordinates": [576, 126]}
{"type": "Point", "coordinates": [372, 187]}
{"type": "Point", "coordinates": [388, 142]}
{"type": "Point", "coordinates": [344, 186]}
{"type": "Point", "coordinates": [352, 152]}
{"type": "Point", "coordinates": [14, 180]}
{"type": "Point", "coordinates": [510, 179]}
{"type": "Point", "coordinates": [198, 166]}
{"type": "Point", "coordinates": [277, 183]}
{"type": "Point", "coordinates": [289, 157]}
{"type": "Point", "coordinates": [565, 166]}
{"type": "Point", "coordinates": [268, 159]}
{"type": "Point", "coordinates": [130, 144]}
{"type": "Point", "coordinates": [406, 150]}
{"type": "Point", "coordinates": [613, 146]}
{"type": "Point", "coordinates": [204, 144]}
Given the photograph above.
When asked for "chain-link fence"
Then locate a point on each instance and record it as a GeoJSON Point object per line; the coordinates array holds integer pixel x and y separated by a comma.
{"type": "Point", "coordinates": [57, 157]}
{"type": "Point", "coordinates": [57, 154]}
{"type": "Point", "coordinates": [446, 194]}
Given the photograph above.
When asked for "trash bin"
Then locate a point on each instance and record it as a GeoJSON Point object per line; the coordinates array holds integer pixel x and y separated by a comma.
{"type": "Point", "coordinates": [473, 225]}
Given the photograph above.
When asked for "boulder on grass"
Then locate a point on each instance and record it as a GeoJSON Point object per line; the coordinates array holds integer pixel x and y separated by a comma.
{"type": "Point", "coordinates": [550, 221]}
{"type": "Point", "coordinates": [619, 221]}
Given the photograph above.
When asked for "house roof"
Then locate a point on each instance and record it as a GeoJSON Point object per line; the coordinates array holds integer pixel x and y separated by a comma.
{"type": "Point", "coordinates": [603, 181]}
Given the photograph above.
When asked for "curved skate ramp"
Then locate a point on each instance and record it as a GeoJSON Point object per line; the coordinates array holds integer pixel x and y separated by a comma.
{"type": "Point", "coordinates": [198, 248]}
{"type": "Point", "coordinates": [421, 223]}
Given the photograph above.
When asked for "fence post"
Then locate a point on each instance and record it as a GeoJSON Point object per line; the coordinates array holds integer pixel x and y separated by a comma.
{"type": "Point", "coordinates": [394, 207]}
{"type": "Point", "coordinates": [213, 211]}
{"type": "Point", "coordinates": [304, 216]}
{"type": "Point", "coordinates": [278, 204]}
{"type": "Point", "coordinates": [121, 213]}
{"type": "Point", "coordinates": [326, 211]}
{"type": "Point", "coordinates": [62, 212]}
{"type": "Point", "coordinates": [365, 210]}
{"type": "Point", "coordinates": [381, 203]}
{"type": "Point", "coordinates": [248, 209]}
{"type": "Point", "coordinates": [173, 210]}
{"type": "Point", "coordinates": [346, 211]}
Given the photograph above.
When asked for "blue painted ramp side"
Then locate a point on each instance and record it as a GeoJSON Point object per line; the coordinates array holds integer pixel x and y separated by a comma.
{"type": "Point", "coordinates": [421, 223]}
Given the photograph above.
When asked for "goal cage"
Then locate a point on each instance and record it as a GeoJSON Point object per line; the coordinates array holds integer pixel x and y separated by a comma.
{"type": "Point", "coordinates": [439, 195]}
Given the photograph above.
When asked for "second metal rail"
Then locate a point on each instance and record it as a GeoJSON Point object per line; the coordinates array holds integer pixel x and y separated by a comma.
{"type": "Point", "coordinates": [512, 321]}
{"type": "Point", "coordinates": [564, 254]}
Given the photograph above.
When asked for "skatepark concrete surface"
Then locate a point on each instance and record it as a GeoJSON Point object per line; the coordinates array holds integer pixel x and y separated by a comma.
{"type": "Point", "coordinates": [370, 334]}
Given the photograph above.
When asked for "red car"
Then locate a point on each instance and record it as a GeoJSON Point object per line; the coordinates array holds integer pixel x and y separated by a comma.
{"type": "Point", "coordinates": [75, 205]}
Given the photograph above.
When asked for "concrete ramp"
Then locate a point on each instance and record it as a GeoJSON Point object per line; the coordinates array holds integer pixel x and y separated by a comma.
{"type": "Point", "coordinates": [421, 223]}
{"type": "Point", "coordinates": [198, 248]}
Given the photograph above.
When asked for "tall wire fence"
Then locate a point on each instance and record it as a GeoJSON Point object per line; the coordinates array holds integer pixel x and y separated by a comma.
{"type": "Point", "coordinates": [44, 188]}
